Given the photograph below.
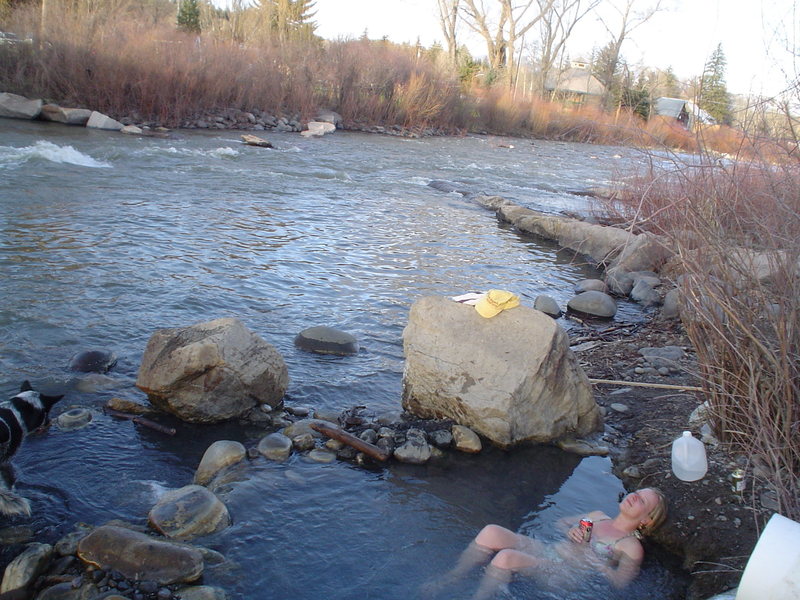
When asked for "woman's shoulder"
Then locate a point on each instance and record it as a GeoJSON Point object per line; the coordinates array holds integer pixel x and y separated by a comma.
{"type": "Point", "coordinates": [631, 546]}
{"type": "Point", "coordinates": [598, 515]}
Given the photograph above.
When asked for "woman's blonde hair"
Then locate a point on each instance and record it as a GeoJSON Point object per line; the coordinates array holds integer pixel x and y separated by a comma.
{"type": "Point", "coordinates": [658, 515]}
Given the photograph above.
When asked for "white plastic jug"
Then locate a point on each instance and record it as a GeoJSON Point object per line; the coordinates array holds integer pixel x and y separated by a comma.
{"type": "Point", "coordinates": [689, 458]}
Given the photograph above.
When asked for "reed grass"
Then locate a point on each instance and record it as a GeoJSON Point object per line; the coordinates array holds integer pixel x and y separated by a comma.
{"type": "Point", "coordinates": [123, 62]}
{"type": "Point", "coordinates": [735, 227]}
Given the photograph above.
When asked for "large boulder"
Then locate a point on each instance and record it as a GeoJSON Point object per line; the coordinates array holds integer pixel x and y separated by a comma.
{"type": "Point", "coordinates": [645, 252]}
{"type": "Point", "coordinates": [19, 107]}
{"type": "Point", "coordinates": [68, 116]}
{"type": "Point", "coordinates": [211, 371]}
{"type": "Point", "coordinates": [98, 120]}
{"type": "Point", "coordinates": [140, 556]}
{"type": "Point", "coordinates": [511, 378]}
{"type": "Point", "coordinates": [318, 129]}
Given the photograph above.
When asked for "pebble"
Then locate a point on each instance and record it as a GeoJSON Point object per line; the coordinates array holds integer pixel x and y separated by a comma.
{"type": "Point", "coordinates": [619, 407]}
{"type": "Point", "coordinates": [632, 471]}
{"type": "Point", "coordinates": [321, 456]}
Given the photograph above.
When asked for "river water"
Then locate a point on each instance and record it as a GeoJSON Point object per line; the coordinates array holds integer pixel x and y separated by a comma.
{"type": "Point", "coordinates": [106, 238]}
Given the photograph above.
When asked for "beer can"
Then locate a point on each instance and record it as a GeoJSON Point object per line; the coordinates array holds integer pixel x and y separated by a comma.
{"type": "Point", "coordinates": [586, 529]}
{"type": "Point", "coordinates": [738, 480]}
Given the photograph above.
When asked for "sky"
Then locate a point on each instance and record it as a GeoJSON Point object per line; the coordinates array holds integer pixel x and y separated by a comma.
{"type": "Point", "coordinates": [754, 34]}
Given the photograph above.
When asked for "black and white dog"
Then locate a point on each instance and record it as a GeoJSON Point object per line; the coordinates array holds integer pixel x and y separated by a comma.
{"type": "Point", "coordinates": [20, 415]}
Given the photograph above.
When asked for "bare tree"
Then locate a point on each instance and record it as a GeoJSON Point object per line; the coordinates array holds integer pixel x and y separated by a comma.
{"type": "Point", "coordinates": [555, 29]}
{"type": "Point", "coordinates": [623, 21]}
{"type": "Point", "coordinates": [448, 19]}
{"type": "Point", "coordinates": [512, 22]}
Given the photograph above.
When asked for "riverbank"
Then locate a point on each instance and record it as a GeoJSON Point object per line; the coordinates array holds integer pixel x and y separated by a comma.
{"type": "Point", "coordinates": [711, 529]}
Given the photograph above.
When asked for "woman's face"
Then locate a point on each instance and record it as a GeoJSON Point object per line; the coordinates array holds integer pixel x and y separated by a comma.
{"type": "Point", "coordinates": [639, 504]}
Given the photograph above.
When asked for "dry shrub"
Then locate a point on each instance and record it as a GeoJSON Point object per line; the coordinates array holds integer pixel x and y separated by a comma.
{"type": "Point", "coordinates": [128, 66]}
{"type": "Point", "coordinates": [735, 225]}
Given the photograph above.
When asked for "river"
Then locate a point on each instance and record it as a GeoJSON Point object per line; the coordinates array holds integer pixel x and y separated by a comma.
{"type": "Point", "coordinates": [105, 238]}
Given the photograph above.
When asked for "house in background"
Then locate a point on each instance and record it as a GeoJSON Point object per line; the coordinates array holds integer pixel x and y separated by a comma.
{"type": "Point", "coordinates": [576, 85]}
{"type": "Point", "coordinates": [686, 112]}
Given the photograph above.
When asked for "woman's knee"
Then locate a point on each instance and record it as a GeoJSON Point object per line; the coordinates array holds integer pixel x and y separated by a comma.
{"type": "Point", "coordinates": [495, 537]}
{"type": "Point", "coordinates": [513, 560]}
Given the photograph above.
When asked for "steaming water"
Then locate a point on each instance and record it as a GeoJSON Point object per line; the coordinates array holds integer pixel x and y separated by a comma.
{"type": "Point", "coordinates": [105, 238]}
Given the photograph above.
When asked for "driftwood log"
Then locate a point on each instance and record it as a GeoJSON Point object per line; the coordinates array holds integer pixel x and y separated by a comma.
{"type": "Point", "coordinates": [343, 436]}
{"type": "Point", "coordinates": [140, 421]}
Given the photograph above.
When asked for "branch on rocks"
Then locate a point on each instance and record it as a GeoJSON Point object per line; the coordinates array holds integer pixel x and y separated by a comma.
{"type": "Point", "coordinates": [348, 438]}
{"type": "Point", "coordinates": [140, 421]}
{"type": "Point", "coordinates": [660, 386]}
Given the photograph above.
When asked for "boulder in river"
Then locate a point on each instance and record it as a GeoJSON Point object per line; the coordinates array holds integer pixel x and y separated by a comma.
{"type": "Point", "coordinates": [511, 378]}
{"type": "Point", "coordinates": [68, 116]}
{"type": "Point", "coordinates": [326, 340]}
{"type": "Point", "coordinates": [220, 454]}
{"type": "Point", "coordinates": [98, 120]}
{"type": "Point", "coordinates": [189, 512]}
{"type": "Point", "coordinates": [93, 361]}
{"type": "Point", "coordinates": [593, 304]}
{"type": "Point", "coordinates": [19, 107]}
{"type": "Point", "coordinates": [26, 567]}
{"type": "Point", "coordinates": [547, 305]}
{"type": "Point", "coordinates": [140, 556]}
{"type": "Point", "coordinates": [211, 371]}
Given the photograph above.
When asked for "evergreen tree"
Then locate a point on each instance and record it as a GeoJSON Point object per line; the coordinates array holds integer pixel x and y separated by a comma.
{"type": "Point", "coordinates": [289, 19]}
{"type": "Point", "coordinates": [714, 97]}
{"type": "Point", "coordinates": [189, 16]}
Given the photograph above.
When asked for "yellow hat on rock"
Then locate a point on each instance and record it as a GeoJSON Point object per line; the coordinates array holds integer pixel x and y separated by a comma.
{"type": "Point", "coordinates": [495, 302]}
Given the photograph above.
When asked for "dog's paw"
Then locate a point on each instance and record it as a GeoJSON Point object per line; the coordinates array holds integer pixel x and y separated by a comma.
{"type": "Point", "coordinates": [12, 504]}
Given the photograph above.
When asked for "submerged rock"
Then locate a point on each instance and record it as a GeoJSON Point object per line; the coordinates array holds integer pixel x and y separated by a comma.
{"type": "Point", "coordinates": [189, 512]}
{"type": "Point", "coordinates": [140, 556]}
{"type": "Point", "coordinates": [326, 340]}
{"type": "Point", "coordinates": [93, 361]}
{"type": "Point", "coordinates": [219, 455]}
{"type": "Point", "coordinates": [275, 446]}
{"type": "Point", "coordinates": [74, 418]}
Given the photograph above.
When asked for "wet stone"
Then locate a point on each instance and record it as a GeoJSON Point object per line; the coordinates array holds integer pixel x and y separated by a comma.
{"type": "Point", "coordinates": [588, 285]}
{"type": "Point", "coordinates": [220, 454]}
{"type": "Point", "coordinates": [93, 361]}
{"type": "Point", "coordinates": [74, 418]}
{"type": "Point", "coordinates": [414, 451]}
{"type": "Point", "coordinates": [326, 340]}
{"type": "Point", "coordinates": [189, 512]}
{"type": "Point", "coordinates": [303, 442]}
{"type": "Point", "coordinates": [547, 305]}
{"type": "Point", "coordinates": [593, 303]}
{"type": "Point", "coordinates": [321, 456]}
{"type": "Point", "coordinates": [466, 440]}
{"type": "Point", "coordinates": [441, 438]}
{"type": "Point", "coordinates": [369, 436]}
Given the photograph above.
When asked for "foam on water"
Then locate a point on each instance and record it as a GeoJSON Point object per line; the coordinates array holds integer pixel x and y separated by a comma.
{"type": "Point", "coordinates": [221, 152]}
{"type": "Point", "coordinates": [13, 157]}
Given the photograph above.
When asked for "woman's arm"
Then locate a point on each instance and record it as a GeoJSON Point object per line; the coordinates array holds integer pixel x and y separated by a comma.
{"type": "Point", "coordinates": [569, 525]}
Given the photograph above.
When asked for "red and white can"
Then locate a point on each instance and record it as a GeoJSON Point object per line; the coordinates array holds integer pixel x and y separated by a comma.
{"type": "Point", "coordinates": [586, 529]}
